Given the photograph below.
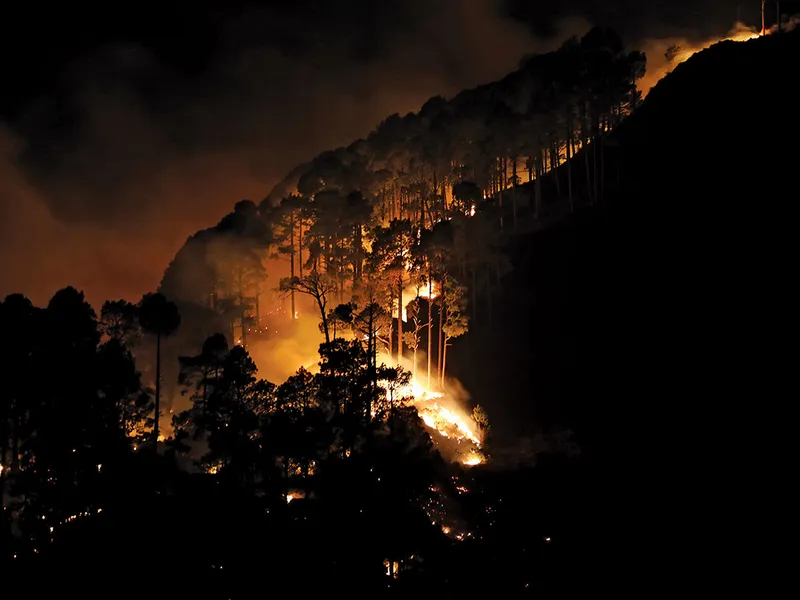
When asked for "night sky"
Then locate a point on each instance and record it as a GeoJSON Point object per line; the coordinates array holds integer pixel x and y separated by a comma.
{"type": "Point", "coordinates": [124, 131]}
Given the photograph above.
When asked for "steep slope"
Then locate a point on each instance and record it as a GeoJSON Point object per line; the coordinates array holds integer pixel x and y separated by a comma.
{"type": "Point", "coordinates": [652, 324]}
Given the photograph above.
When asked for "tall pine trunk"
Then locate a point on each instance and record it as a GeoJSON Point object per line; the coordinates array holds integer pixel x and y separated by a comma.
{"type": "Point", "coordinates": [554, 161]}
{"type": "Point", "coordinates": [400, 317]}
{"type": "Point", "coordinates": [4, 435]}
{"type": "Point", "coordinates": [514, 193]}
{"type": "Point", "coordinates": [474, 295]}
{"type": "Point", "coordinates": [430, 323]}
{"type": "Point", "coordinates": [569, 165]}
{"type": "Point", "coordinates": [291, 259]}
{"type": "Point", "coordinates": [499, 193]}
{"type": "Point", "coordinates": [444, 360]}
{"type": "Point", "coordinates": [441, 336]}
{"type": "Point", "coordinates": [300, 248]}
{"type": "Point", "coordinates": [158, 391]}
{"type": "Point", "coordinates": [242, 315]}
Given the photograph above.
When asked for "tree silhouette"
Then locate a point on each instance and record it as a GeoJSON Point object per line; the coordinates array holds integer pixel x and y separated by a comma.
{"type": "Point", "coordinates": [319, 287]}
{"type": "Point", "coordinates": [159, 317]}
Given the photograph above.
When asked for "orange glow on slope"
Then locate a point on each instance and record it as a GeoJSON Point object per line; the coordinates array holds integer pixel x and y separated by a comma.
{"type": "Point", "coordinates": [440, 411]}
{"type": "Point", "coordinates": [658, 65]}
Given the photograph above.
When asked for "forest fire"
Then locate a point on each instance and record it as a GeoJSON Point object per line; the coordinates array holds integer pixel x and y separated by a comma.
{"type": "Point", "coordinates": [450, 423]}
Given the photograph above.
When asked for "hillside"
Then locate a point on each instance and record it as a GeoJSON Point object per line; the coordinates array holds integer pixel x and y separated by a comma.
{"type": "Point", "coordinates": [700, 165]}
{"type": "Point", "coordinates": [684, 175]}
{"type": "Point", "coordinates": [649, 324]}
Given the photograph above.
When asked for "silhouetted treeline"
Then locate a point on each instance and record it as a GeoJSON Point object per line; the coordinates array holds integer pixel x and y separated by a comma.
{"type": "Point", "coordinates": [81, 451]}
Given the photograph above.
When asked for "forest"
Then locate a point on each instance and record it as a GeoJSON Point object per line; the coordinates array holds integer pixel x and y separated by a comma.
{"type": "Point", "coordinates": [144, 434]}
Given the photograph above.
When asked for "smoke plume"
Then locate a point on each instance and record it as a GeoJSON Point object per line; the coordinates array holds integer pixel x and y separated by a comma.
{"type": "Point", "coordinates": [102, 184]}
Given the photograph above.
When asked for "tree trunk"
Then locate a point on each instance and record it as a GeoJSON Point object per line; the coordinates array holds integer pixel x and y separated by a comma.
{"type": "Point", "coordinates": [514, 193]}
{"type": "Point", "coordinates": [499, 193]}
{"type": "Point", "coordinates": [430, 324]}
{"type": "Point", "coordinates": [489, 298]}
{"type": "Point", "coordinates": [474, 296]}
{"type": "Point", "coordinates": [441, 336]}
{"type": "Point", "coordinates": [569, 166]}
{"type": "Point", "coordinates": [291, 260]}
{"type": "Point", "coordinates": [601, 191]}
{"type": "Point", "coordinates": [435, 194]}
{"type": "Point", "coordinates": [400, 317]}
{"type": "Point", "coordinates": [4, 435]}
{"type": "Point", "coordinates": [554, 160]}
{"type": "Point", "coordinates": [158, 392]}
{"type": "Point", "coordinates": [444, 360]}
{"type": "Point", "coordinates": [537, 202]}
{"type": "Point", "coordinates": [300, 249]}
{"type": "Point", "coordinates": [325, 329]}
{"type": "Point", "coordinates": [587, 162]}
{"type": "Point", "coordinates": [242, 311]}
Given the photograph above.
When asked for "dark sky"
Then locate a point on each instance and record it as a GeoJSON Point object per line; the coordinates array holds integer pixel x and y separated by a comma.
{"type": "Point", "coordinates": [127, 128]}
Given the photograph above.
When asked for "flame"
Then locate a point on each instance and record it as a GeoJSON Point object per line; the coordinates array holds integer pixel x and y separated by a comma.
{"type": "Point", "coordinates": [472, 460]}
{"type": "Point", "coordinates": [440, 412]}
{"type": "Point", "coordinates": [425, 293]}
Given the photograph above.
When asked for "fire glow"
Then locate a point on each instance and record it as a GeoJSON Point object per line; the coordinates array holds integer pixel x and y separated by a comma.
{"type": "Point", "coordinates": [451, 423]}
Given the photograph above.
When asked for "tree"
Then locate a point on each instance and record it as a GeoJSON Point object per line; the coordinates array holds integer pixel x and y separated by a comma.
{"type": "Point", "coordinates": [159, 317]}
{"type": "Point", "coordinates": [119, 320]}
{"type": "Point", "coordinates": [390, 255]}
{"type": "Point", "coordinates": [21, 324]}
{"type": "Point", "coordinates": [125, 403]}
{"type": "Point", "coordinates": [432, 255]}
{"type": "Point", "coordinates": [412, 338]}
{"type": "Point", "coordinates": [319, 287]}
{"type": "Point", "coordinates": [202, 372]}
{"type": "Point", "coordinates": [341, 317]}
{"type": "Point", "coordinates": [481, 419]}
{"type": "Point", "coordinates": [455, 320]}
{"type": "Point", "coordinates": [289, 217]}
{"type": "Point", "coordinates": [371, 322]}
